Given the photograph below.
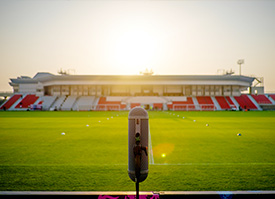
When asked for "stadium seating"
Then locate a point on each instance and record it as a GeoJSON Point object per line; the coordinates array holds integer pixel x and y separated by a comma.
{"type": "Point", "coordinates": [27, 101]}
{"type": "Point", "coordinates": [47, 101]}
{"type": "Point", "coordinates": [272, 96]}
{"type": "Point", "coordinates": [103, 104]}
{"type": "Point", "coordinates": [261, 99]}
{"type": "Point", "coordinates": [204, 100]}
{"type": "Point", "coordinates": [11, 101]}
{"type": "Point", "coordinates": [145, 99]}
{"type": "Point", "coordinates": [158, 106]}
{"type": "Point", "coordinates": [230, 102]}
{"type": "Point", "coordinates": [68, 103]}
{"type": "Point", "coordinates": [84, 103]}
{"type": "Point", "coordinates": [176, 98]}
{"type": "Point", "coordinates": [182, 105]}
{"type": "Point", "coordinates": [57, 104]}
{"type": "Point", "coordinates": [133, 105]}
{"type": "Point", "coordinates": [188, 101]}
{"type": "Point", "coordinates": [245, 102]}
{"type": "Point", "coordinates": [223, 102]}
{"type": "Point", "coordinates": [122, 102]}
{"type": "Point", "coordinates": [205, 103]}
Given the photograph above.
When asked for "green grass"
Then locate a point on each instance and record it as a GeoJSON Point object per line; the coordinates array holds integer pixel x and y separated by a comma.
{"type": "Point", "coordinates": [187, 155]}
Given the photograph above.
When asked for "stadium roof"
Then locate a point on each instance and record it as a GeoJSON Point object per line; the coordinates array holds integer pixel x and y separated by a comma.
{"type": "Point", "coordinates": [48, 78]}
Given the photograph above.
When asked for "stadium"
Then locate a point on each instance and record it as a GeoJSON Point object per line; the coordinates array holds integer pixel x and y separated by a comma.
{"type": "Point", "coordinates": [67, 134]}
{"type": "Point", "coordinates": [106, 127]}
{"type": "Point", "coordinates": [46, 91]}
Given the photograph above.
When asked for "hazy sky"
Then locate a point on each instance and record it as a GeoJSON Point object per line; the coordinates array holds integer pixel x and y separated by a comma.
{"type": "Point", "coordinates": [125, 37]}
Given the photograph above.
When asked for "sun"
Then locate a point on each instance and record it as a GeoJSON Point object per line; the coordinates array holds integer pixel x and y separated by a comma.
{"type": "Point", "coordinates": [134, 50]}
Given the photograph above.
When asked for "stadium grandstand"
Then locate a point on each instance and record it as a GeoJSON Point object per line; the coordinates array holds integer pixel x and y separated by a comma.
{"type": "Point", "coordinates": [46, 91]}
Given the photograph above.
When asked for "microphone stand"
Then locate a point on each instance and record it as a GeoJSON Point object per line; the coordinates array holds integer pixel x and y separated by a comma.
{"type": "Point", "coordinates": [137, 190]}
{"type": "Point", "coordinates": [138, 154]}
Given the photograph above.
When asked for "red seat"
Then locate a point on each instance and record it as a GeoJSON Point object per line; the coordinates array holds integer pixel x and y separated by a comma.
{"type": "Point", "coordinates": [272, 96]}
{"type": "Point", "coordinates": [133, 105]}
{"type": "Point", "coordinates": [205, 102]}
{"type": "Point", "coordinates": [232, 105]}
{"type": "Point", "coordinates": [103, 104]}
{"type": "Point", "coordinates": [261, 99]}
{"type": "Point", "coordinates": [158, 106]}
{"type": "Point", "coordinates": [11, 101]}
{"type": "Point", "coordinates": [245, 102]}
{"type": "Point", "coordinates": [27, 101]}
{"type": "Point", "coordinates": [182, 105]}
{"type": "Point", "coordinates": [188, 101]}
{"type": "Point", "coordinates": [222, 102]}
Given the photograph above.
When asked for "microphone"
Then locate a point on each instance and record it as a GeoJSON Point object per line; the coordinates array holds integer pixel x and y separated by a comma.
{"type": "Point", "coordinates": [138, 144]}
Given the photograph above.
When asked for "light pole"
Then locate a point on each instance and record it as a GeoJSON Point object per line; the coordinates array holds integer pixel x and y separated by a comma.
{"type": "Point", "coordinates": [240, 62]}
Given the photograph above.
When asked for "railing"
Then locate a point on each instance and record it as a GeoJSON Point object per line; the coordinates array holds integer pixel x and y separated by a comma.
{"type": "Point", "coordinates": [108, 107]}
{"type": "Point", "coordinates": [193, 107]}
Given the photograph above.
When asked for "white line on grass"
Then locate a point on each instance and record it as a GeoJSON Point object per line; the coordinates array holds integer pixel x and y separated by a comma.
{"type": "Point", "coordinates": [151, 155]}
{"type": "Point", "coordinates": [157, 164]}
{"type": "Point", "coordinates": [215, 164]}
{"type": "Point", "coordinates": [197, 164]}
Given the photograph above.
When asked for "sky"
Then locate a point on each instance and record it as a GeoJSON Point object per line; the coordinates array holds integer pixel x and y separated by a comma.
{"type": "Point", "coordinates": [112, 37]}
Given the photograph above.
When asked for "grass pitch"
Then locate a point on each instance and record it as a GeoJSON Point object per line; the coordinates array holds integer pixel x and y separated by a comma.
{"type": "Point", "coordinates": [188, 154]}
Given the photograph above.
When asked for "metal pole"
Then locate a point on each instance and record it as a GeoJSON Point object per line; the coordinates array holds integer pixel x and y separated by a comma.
{"type": "Point", "coordinates": [240, 68]}
{"type": "Point", "coordinates": [137, 190]}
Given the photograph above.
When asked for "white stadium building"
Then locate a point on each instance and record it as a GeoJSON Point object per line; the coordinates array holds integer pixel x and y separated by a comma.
{"type": "Point", "coordinates": [117, 92]}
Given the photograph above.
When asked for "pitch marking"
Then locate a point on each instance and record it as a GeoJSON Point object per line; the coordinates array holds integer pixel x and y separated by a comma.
{"type": "Point", "coordinates": [151, 155]}
{"type": "Point", "coordinates": [214, 164]}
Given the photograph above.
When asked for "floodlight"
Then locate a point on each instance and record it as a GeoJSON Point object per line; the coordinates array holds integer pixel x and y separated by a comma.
{"type": "Point", "coordinates": [240, 62]}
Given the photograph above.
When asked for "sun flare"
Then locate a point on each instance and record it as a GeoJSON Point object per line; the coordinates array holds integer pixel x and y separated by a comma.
{"type": "Point", "coordinates": [135, 50]}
